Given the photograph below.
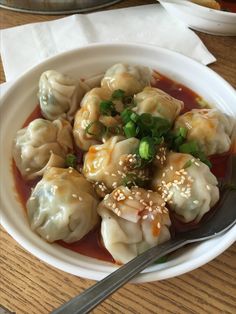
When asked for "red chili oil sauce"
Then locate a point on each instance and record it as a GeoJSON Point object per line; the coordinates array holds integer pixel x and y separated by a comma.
{"type": "Point", "coordinates": [91, 244]}
{"type": "Point", "coordinates": [228, 5]}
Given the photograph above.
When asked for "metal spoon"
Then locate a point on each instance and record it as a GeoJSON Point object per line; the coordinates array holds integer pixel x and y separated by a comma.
{"type": "Point", "coordinates": [223, 219]}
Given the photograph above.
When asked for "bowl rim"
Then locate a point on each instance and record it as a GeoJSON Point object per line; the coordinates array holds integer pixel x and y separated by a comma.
{"type": "Point", "coordinates": [202, 8]}
{"type": "Point", "coordinates": [175, 270]}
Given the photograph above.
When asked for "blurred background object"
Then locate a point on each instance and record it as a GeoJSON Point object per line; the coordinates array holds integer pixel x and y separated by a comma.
{"type": "Point", "coordinates": [55, 6]}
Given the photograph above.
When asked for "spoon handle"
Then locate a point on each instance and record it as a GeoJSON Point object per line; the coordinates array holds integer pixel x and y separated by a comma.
{"type": "Point", "coordinates": [94, 295]}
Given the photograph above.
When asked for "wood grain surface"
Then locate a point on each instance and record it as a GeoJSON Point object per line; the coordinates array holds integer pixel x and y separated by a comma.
{"type": "Point", "coordinates": [30, 286]}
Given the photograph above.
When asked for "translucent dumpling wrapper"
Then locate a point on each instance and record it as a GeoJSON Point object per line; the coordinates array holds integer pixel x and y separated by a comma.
{"type": "Point", "coordinates": [129, 78]}
{"type": "Point", "coordinates": [210, 128]}
{"type": "Point", "coordinates": [62, 206]}
{"type": "Point", "coordinates": [59, 95]}
{"type": "Point", "coordinates": [89, 125]}
{"type": "Point", "coordinates": [40, 145]}
{"type": "Point", "coordinates": [158, 103]}
{"type": "Point", "coordinates": [112, 163]}
{"type": "Point", "coordinates": [187, 185]}
{"type": "Point", "coordinates": [133, 220]}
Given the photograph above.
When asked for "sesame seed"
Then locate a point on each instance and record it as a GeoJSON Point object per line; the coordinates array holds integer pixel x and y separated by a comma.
{"type": "Point", "coordinates": [158, 225]}
{"type": "Point", "coordinates": [208, 187]}
{"type": "Point", "coordinates": [195, 201]}
{"type": "Point", "coordinates": [74, 195]}
{"type": "Point", "coordinates": [106, 196]}
{"type": "Point", "coordinates": [145, 216]}
{"type": "Point", "coordinates": [80, 198]}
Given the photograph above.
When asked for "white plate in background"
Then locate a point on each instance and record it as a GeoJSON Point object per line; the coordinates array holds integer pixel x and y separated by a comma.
{"type": "Point", "coordinates": [202, 19]}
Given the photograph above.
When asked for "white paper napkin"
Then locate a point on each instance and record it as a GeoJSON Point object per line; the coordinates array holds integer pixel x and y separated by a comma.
{"type": "Point", "coordinates": [25, 46]}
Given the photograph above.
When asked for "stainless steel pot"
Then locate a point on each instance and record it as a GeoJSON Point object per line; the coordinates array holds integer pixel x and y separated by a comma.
{"type": "Point", "coordinates": [55, 6]}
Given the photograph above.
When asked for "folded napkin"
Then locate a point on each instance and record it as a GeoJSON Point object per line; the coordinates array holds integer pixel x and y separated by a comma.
{"type": "Point", "coordinates": [25, 46]}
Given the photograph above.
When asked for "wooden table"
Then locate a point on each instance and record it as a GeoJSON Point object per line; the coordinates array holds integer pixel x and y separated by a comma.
{"type": "Point", "coordinates": [32, 287]}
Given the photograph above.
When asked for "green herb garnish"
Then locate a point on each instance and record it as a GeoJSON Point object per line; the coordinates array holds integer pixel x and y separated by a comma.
{"type": "Point", "coordinates": [147, 148]}
{"type": "Point", "coordinates": [118, 94]}
{"type": "Point", "coordinates": [161, 260]}
{"type": "Point", "coordinates": [193, 149]}
{"type": "Point", "coordinates": [188, 164]}
{"type": "Point", "coordinates": [130, 129]}
{"type": "Point", "coordinates": [125, 115]}
{"type": "Point", "coordinates": [132, 179]}
{"type": "Point", "coordinates": [96, 128]}
{"type": "Point", "coordinates": [107, 108]}
{"type": "Point", "coordinates": [71, 161]}
{"type": "Point", "coordinates": [189, 148]}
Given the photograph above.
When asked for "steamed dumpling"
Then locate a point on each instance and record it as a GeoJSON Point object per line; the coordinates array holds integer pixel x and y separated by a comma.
{"type": "Point", "coordinates": [133, 220]}
{"type": "Point", "coordinates": [187, 185]}
{"type": "Point", "coordinates": [210, 128]}
{"type": "Point", "coordinates": [62, 206]}
{"type": "Point", "coordinates": [40, 145]}
{"type": "Point", "coordinates": [111, 162]}
{"type": "Point", "coordinates": [158, 103]}
{"type": "Point", "coordinates": [59, 95]}
{"type": "Point", "coordinates": [90, 113]}
{"type": "Point", "coordinates": [129, 78]}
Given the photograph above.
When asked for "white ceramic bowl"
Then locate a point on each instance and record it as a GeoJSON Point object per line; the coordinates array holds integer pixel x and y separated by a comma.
{"type": "Point", "coordinates": [21, 99]}
{"type": "Point", "coordinates": [203, 19]}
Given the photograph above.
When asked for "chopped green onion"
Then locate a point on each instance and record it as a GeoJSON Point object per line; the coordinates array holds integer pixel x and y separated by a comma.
{"type": "Point", "coordinates": [134, 117]}
{"type": "Point", "coordinates": [189, 147]}
{"type": "Point", "coordinates": [147, 148]}
{"type": "Point", "coordinates": [178, 142]}
{"type": "Point", "coordinates": [200, 155]}
{"type": "Point", "coordinates": [107, 108]}
{"type": "Point", "coordinates": [146, 119]}
{"type": "Point", "coordinates": [132, 179]}
{"type": "Point", "coordinates": [130, 129]}
{"type": "Point", "coordinates": [193, 149]}
{"type": "Point", "coordinates": [158, 140]}
{"type": "Point", "coordinates": [125, 115]}
{"type": "Point", "coordinates": [161, 260]}
{"type": "Point", "coordinates": [182, 132]}
{"type": "Point", "coordinates": [129, 101]}
{"type": "Point", "coordinates": [115, 129]}
{"type": "Point", "coordinates": [95, 128]}
{"type": "Point", "coordinates": [71, 160]}
{"type": "Point", "coordinates": [118, 94]}
{"type": "Point", "coordinates": [160, 126]}
{"type": "Point", "coordinates": [188, 164]}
